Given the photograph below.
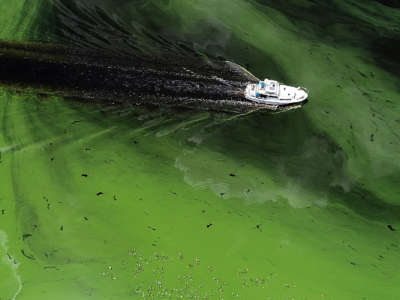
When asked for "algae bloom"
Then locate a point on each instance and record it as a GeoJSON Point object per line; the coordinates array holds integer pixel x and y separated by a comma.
{"type": "Point", "coordinates": [102, 197]}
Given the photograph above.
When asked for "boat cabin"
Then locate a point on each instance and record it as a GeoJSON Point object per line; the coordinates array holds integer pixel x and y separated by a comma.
{"type": "Point", "coordinates": [269, 88]}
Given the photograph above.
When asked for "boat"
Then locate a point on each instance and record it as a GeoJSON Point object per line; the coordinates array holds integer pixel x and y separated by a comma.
{"type": "Point", "coordinates": [271, 92]}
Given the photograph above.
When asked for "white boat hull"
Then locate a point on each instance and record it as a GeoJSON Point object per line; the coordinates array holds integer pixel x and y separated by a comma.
{"type": "Point", "coordinates": [273, 93]}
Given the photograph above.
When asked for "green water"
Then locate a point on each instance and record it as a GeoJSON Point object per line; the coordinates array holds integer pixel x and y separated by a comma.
{"type": "Point", "coordinates": [197, 205]}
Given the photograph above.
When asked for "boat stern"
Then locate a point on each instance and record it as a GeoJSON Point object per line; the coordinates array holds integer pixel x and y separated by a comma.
{"type": "Point", "coordinates": [250, 92]}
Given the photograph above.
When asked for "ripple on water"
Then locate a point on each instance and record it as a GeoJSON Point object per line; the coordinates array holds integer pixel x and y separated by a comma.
{"type": "Point", "coordinates": [210, 170]}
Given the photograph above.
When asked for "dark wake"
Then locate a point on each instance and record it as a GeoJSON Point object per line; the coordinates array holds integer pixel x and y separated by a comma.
{"type": "Point", "coordinates": [93, 75]}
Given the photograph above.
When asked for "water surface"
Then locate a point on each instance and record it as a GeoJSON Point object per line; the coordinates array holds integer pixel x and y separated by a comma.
{"type": "Point", "coordinates": [115, 202]}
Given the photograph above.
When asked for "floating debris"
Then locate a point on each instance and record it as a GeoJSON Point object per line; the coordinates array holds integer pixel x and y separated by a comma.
{"type": "Point", "coordinates": [31, 257]}
{"type": "Point", "coordinates": [391, 227]}
{"type": "Point", "coordinates": [26, 235]}
{"type": "Point", "coordinates": [209, 225]}
{"type": "Point", "coordinates": [132, 252]}
{"type": "Point", "coordinates": [85, 175]}
{"type": "Point", "coordinates": [51, 268]}
{"type": "Point", "coordinates": [362, 74]}
{"type": "Point", "coordinates": [99, 194]}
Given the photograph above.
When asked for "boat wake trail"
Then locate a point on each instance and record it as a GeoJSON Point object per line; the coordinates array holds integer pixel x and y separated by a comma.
{"type": "Point", "coordinates": [93, 75]}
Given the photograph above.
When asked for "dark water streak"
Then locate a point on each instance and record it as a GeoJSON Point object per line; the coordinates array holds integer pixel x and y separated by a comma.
{"type": "Point", "coordinates": [98, 75]}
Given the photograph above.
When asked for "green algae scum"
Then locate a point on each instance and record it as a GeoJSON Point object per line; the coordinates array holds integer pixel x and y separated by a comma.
{"type": "Point", "coordinates": [105, 201]}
